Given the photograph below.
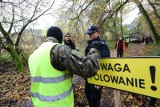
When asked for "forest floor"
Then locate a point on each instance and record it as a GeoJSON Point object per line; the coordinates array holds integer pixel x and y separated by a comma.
{"type": "Point", "coordinates": [14, 86]}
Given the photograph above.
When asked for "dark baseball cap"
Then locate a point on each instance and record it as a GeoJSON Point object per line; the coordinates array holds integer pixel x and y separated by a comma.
{"type": "Point", "coordinates": [92, 29]}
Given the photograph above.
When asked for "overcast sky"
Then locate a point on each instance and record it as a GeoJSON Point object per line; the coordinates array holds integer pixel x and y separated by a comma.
{"type": "Point", "coordinates": [44, 22]}
{"type": "Point", "coordinates": [131, 16]}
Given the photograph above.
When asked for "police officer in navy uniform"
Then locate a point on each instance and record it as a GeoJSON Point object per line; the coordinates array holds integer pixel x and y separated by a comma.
{"type": "Point", "coordinates": [93, 92]}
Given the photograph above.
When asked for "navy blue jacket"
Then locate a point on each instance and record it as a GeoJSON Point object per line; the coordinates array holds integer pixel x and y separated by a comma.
{"type": "Point", "coordinates": [104, 48]}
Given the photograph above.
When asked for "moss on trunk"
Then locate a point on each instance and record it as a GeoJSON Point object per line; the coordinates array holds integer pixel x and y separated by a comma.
{"type": "Point", "coordinates": [17, 59]}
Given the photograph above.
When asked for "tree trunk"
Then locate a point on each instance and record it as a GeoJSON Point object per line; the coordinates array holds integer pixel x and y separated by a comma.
{"type": "Point", "coordinates": [9, 46]}
{"type": "Point", "coordinates": [121, 13]}
{"type": "Point", "coordinates": [16, 58]}
{"type": "Point", "coordinates": [154, 9]}
{"type": "Point", "coordinates": [148, 21]}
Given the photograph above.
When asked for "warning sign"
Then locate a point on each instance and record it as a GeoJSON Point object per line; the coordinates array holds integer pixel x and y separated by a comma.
{"type": "Point", "coordinates": [137, 74]}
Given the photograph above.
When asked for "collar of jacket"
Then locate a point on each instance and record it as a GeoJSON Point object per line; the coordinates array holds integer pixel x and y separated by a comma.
{"type": "Point", "coordinates": [70, 42]}
{"type": "Point", "coordinates": [96, 39]}
{"type": "Point", "coordinates": [51, 39]}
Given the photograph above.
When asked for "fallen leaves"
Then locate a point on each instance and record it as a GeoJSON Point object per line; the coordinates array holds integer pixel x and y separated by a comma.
{"type": "Point", "coordinates": [14, 87]}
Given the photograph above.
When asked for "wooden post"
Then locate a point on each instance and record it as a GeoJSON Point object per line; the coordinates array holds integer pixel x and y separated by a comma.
{"type": "Point", "coordinates": [117, 93]}
{"type": "Point", "coordinates": [117, 98]}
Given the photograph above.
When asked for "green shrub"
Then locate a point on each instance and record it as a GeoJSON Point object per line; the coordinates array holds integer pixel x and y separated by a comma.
{"type": "Point", "coordinates": [111, 44]}
{"type": "Point", "coordinates": [5, 58]}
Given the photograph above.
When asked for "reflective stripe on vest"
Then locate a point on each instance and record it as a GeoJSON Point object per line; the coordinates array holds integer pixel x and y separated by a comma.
{"type": "Point", "coordinates": [51, 98]}
{"type": "Point", "coordinates": [50, 79]}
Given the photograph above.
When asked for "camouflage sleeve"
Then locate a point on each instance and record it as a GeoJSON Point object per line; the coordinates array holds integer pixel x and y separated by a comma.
{"type": "Point", "coordinates": [75, 62]}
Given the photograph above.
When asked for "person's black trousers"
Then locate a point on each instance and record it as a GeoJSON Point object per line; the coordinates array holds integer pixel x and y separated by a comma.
{"type": "Point", "coordinates": [119, 53]}
{"type": "Point", "coordinates": [93, 95]}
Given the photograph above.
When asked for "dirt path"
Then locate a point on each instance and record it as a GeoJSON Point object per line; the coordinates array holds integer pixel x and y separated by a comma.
{"type": "Point", "coordinates": [134, 50]}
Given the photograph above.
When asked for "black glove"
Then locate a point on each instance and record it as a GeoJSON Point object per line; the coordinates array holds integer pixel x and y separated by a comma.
{"type": "Point", "coordinates": [96, 44]}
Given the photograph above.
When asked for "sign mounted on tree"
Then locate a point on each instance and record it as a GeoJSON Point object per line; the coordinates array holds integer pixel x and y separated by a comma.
{"type": "Point", "coordinates": [136, 74]}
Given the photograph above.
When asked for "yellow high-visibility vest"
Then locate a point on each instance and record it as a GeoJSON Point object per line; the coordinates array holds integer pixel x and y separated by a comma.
{"type": "Point", "coordinates": [49, 87]}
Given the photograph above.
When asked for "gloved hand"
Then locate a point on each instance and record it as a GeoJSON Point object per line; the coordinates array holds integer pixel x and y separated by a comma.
{"type": "Point", "coordinates": [96, 44]}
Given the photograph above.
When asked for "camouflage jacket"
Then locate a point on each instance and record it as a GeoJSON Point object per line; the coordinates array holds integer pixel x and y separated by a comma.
{"type": "Point", "coordinates": [64, 58]}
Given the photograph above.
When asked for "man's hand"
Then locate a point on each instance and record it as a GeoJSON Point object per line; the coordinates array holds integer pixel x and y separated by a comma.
{"type": "Point", "coordinates": [97, 87]}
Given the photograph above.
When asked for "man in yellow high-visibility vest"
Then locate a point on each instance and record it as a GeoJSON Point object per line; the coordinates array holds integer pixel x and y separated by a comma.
{"type": "Point", "coordinates": [51, 66]}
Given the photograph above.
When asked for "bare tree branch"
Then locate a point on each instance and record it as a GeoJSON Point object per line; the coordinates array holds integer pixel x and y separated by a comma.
{"type": "Point", "coordinates": [77, 17]}
{"type": "Point", "coordinates": [31, 20]}
{"type": "Point", "coordinates": [113, 12]}
{"type": "Point", "coordinates": [11, 25]}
